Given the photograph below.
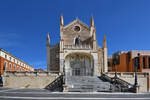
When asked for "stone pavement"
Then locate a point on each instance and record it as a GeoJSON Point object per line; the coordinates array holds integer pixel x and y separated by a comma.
{"type": "Point", "coordinates": [42, 94]}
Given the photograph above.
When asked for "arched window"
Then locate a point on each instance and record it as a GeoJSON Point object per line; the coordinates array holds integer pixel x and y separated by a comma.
{"type": "Point", "coordinates": [5, 66]}
{"type": "Point", "coordinates": [14, 67]}
{"type": "Point", "coordinates": [18, 68]}
{"type": "Point", "coordinates": [10, 67]}
{"type": "Point", "coordinates": [77, 40]}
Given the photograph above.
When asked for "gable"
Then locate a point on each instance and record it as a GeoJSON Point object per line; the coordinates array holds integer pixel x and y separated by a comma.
{"type": "Point", "coordinates": [75, 29]}
{"type": "Point", "coordinates": [77, 21]}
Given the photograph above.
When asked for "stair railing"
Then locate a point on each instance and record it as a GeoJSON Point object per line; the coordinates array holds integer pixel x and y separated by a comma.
{"type": "Point", "coordinates": [124, 85]}
{"type": "Point", "coordinates": [57, 83]}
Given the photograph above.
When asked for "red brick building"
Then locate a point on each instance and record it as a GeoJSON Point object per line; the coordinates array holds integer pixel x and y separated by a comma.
{"type": "Point", "coordinates": [125, 61]}
{"type": "Point", "coordinates": [9, 62]}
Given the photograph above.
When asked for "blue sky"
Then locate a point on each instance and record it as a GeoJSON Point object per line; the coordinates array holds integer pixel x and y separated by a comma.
{"type": "Point", "coordinates": [24, 24]}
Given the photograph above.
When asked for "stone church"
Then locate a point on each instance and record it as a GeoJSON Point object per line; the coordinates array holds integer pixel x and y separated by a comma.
{"type": "Point", "coordinates": [77, 53]}
{"type": "Point", "coordinates": [78, 64]}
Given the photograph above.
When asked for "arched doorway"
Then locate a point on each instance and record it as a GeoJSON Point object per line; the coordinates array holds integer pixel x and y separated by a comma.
{"type": "Point", "coordinates": [79, 65]}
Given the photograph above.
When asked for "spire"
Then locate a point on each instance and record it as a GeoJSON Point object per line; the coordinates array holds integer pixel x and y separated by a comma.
{"type": "Point", "coordinates": [92, 21]}
{"type": "Point", "coordinates": [48, 39]}
{"type": "Point", "coordinates": [104, 42]}
{"type": "Point", "coordinates": [61, 20]}
{"type": "Point", "coordinates": [94, 34]}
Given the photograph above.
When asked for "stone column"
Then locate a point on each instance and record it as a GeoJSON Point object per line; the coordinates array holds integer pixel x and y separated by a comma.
{"type": "Point", "coordinates": [105, 67]}
{"type": "Point", "coordinates": [95, 64]}
{"type": "Point", "coordinates": [61, 59]}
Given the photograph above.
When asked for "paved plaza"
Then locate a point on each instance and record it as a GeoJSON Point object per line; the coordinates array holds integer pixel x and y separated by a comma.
{"type": "Point", "coordinates": [42, 94]}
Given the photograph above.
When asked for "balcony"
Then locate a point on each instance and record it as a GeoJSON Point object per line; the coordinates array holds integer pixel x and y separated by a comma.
{"type": "Point", "coordinates": [78, 47]}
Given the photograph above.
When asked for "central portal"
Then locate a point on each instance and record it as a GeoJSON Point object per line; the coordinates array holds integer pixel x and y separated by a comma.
{"type": "Point", "coordinates": [79, 65]}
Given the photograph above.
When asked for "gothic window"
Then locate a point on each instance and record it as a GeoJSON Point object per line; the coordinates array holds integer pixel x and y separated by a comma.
{"type": "Point", "coordinates": [77, 41]}
{"type": "Point", "coordinates": [76, 72]}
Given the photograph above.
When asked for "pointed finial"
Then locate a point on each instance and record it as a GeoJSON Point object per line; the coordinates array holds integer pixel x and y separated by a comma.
{"type": "Point", "coordinates": [77, 18]}
{"type": "Point", "coordinates": [92, 20]}
{"type": "Point", "coordinates": [61, 20]}
{"type": "Point", "coordinates": [48, 39]}
{"type": "Point", "coordinates": [104, 42]}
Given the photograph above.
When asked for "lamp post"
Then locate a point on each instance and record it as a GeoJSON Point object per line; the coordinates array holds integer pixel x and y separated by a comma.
{"type": "Point", "coordinates": [136, 65]}
{"type": "Point", "coordinates": [137, 60]}
{"type": "Point", "coordinates": [114, 79]}
{"type": "Point", "coordinates": [115, 63]}
{"type": "Point", "coordinates": [115, 69]}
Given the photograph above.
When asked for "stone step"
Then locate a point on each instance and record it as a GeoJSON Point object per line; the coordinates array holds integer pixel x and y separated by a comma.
{"type": "Point", "coordinates": [87, 84]}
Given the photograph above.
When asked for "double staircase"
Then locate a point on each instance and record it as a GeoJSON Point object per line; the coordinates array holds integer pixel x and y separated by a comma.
{"type": "Point", "coordinates": [103, 83]}
{"type": "Point", "coordinates": [87, 84]}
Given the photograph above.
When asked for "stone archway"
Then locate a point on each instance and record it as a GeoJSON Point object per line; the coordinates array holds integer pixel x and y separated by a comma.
{"type": "Point", "coordinates": [79, 64]}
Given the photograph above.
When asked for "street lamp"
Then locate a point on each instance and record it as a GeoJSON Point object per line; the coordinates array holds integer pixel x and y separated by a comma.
{"type": "Point", "coordinates": [137, 60]}
{"type": "Point", "coordinates": [136, 65]}
{"type": "Point", "coordinates": [114, 79]}
{"type": "Point", "coordinates": [115, 63]}
{"type": "Point", "coordinates": [115, 69]}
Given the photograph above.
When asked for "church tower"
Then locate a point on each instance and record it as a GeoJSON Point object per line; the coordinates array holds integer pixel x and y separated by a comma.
{"type": "Point", "coordinates": [93, 33]}
{"type": "Point", "coordinates": [77, 53]}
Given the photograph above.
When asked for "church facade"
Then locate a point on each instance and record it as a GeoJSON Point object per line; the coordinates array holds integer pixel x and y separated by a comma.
{"type": "Point", "coordinates": [77, 53]}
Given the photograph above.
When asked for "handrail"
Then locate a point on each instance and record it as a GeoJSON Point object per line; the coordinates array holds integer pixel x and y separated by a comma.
{"type": "Point", "coordinates": [123, 82]}
{"type": "Point", "coordinates": [117, 80]}
{"type": "Point", "coordinates": [55, 84]}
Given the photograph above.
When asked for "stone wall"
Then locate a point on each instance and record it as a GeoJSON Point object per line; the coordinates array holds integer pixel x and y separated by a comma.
{"type": "Point", "coordinates": [143, 79]}
{"type": "Point", "coordinates": [27, 79]}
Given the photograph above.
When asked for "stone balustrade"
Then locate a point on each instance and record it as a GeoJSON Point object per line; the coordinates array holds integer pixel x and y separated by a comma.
{"type": "Point", "coordinates": [127, 74]}
{"type": "Point", "coordinates": [77, 47]}
{"type": "Point", "coordinates": [25, 73]}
